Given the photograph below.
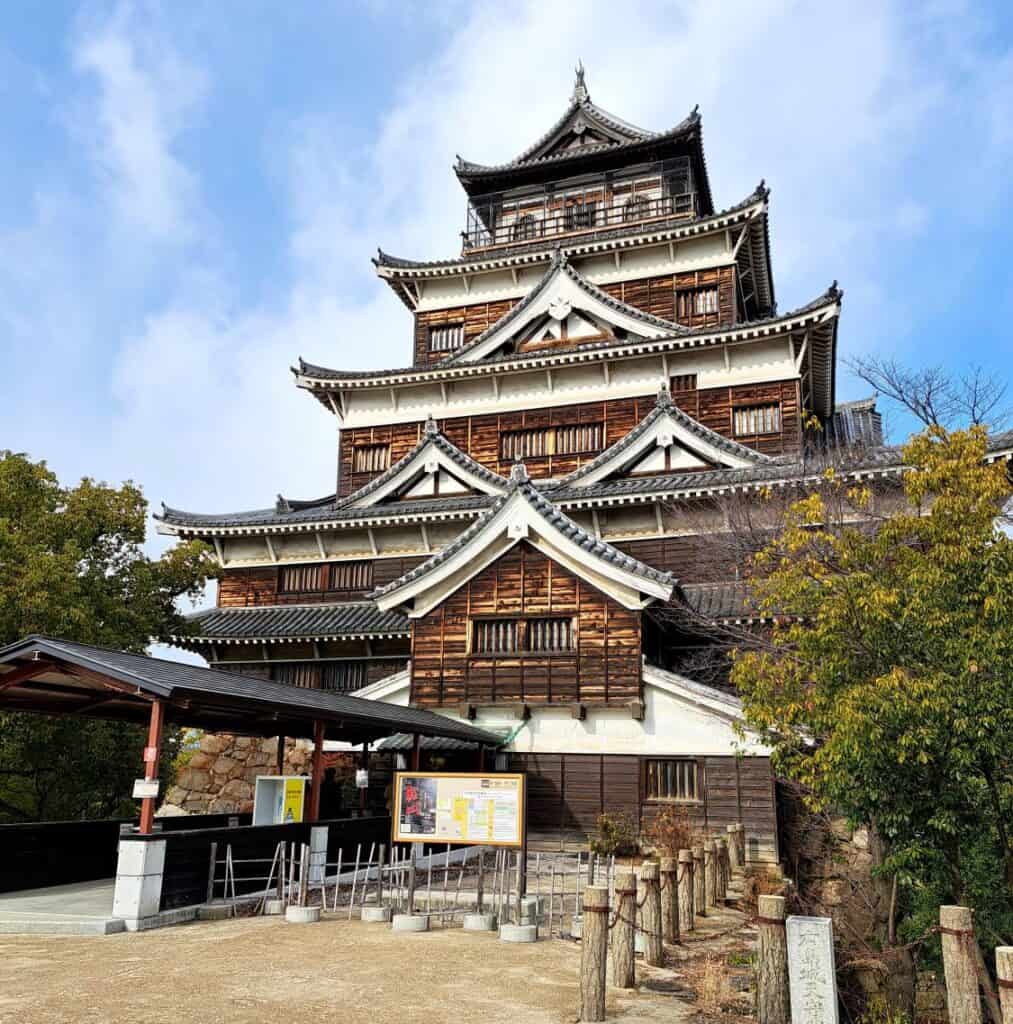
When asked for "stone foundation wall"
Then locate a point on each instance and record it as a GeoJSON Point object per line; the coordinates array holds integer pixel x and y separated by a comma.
{"type": "Point", "coordinates": [220, 776]}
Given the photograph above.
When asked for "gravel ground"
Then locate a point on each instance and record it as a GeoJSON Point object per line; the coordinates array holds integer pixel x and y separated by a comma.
{"type": "Point", "coordinates": [264, 971]}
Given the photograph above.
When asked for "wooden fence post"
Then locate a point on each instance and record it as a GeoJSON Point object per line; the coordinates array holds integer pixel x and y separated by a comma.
{"type": "Point", "coordinates": [734, 861]}
{"type": "Point", "coordinates": [669, 899]}
{"type": "Point", "coordinates": [685, 891]}
{"type": "Point", "coordinates": [725, 875]}
{"type": "Point", "coordinates": [650, 912]}
{"type": "Point", "coordinates": [624, 931]}
{"type": "Point", "coordinates": [956, 927]}
{"type": "Point", "coordinates": [741, 833]}
{"type": "Point", "coordinates": [772, 1004]}
{"type": "Point", "coordinates": [710, 866]}
{"type": "Point", "coordinates": [699, 883]}
{"type": "Point", "coordinates": [1004, 970]}
{"type": "Point", "coordinates": [593, 953]}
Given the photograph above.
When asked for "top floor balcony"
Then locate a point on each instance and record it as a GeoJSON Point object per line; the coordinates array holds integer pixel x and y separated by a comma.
{"type": "Point", "coordinates": [578, 205]}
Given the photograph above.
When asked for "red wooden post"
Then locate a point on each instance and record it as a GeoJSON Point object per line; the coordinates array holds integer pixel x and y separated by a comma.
{"type": "Point", "coordinates": [151, 752]}
{"type": "Point", "coordinates": [416, 752]}
{"type": "Point", "coordinates": [317, 771]}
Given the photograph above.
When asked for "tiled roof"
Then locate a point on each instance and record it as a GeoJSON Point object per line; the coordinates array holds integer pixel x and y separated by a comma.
{"type": "Point", "coordinates": [519, 482]}
{"type": "Point", "coordinates": [666, 407]}
{"type": "Point", "coordinates": [402, 742]}
{"type": "Point", "coordinates": [560, 265]}
{"type": "Point", "coordinates": [313, 372]}
{"type": "Point", "coordinates": [719, 601]}
{"type": "Point", "coordinates": [431, 436]}
{"type": "Point", "coordinates": [291, 622]}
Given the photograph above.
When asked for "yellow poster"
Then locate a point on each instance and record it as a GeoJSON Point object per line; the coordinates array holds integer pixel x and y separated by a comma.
{"type": "Point", "coordinates": [449, 807]}
{"type": "Point", "coordinates": [295, 790]}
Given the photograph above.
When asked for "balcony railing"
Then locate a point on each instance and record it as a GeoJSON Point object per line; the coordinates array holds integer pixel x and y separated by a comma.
{"type": "Point", "coordinates": [520, 223]}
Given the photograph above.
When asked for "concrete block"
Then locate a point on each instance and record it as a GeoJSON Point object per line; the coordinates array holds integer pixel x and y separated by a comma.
{"type": "Point", "coordinates": [302, 915]}
{"type": "Point", "coordinates": [518, 933]}
{"type": "Point", "coordinates": [576, 928]}
{"type": "Point", "coordinates": [137, 896]}
{"type": "Point", "coordinates": [479, 922]}
{"type": "Point", "coordinates": [140, 857]}
{"type": "Point", "coordinates": [274, 906]}
{"type": "Point", "coordinates": [411, 923]}
{"type": "Point", "coordinates": [532, 909]}
{"type": "Point", "coordinates": [214, 911]}
{"type": "Point", "coordinates": [376, 914]}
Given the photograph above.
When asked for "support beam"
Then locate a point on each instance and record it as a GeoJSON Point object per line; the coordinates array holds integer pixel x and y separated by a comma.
{"type": "Point", "coordinates": [219, 551]}
{"type": "Point", "coordinates": [416, 751]}
{"type": "Point", "coordinates": [151, 753]}
{"type": "Point", "coordinates": [317, 770]}
{"type": "Point", "coordinates": [364, 764]}
{"type": "Point", "coordinates": [281, 755]}
{"type": "Point", "coordinates": [29, 671]}
{"type": "Point", "coordinates": [320, 544]}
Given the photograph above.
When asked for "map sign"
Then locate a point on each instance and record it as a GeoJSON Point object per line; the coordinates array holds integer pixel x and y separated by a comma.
{"type": "Point", "coordinates": [443, 807]}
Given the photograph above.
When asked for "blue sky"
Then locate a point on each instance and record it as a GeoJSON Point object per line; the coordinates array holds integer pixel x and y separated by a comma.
{"type": "Point", "coordinates": [190, 194]}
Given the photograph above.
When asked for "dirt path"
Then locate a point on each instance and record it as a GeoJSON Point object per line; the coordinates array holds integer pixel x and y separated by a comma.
{"type": "Point", "coordinates": [263, 971]}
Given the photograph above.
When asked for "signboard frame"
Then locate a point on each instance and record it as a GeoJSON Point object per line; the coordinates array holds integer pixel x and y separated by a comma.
{"type": "Point", "coordinates": [398, 836]}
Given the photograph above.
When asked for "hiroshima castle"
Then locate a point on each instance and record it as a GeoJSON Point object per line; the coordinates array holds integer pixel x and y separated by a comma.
{"type": "Point", "coordinates": [520, 527]}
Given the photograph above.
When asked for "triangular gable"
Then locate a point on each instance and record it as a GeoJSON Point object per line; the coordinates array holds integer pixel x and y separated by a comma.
{"type": "Point", "coordinates": [433, 468]}
{"type": "Point", "coordinates": [524, 514]}
{"type": "Point", "coordinates": [667, 440]}
{"type": "Point", "coordinates": [563, 301]}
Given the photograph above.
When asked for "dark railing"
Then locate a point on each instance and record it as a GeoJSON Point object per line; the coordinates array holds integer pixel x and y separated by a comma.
{"type": "Point", "coordinates": [494, 226]}
{"type": "Point", "coordinates": [35, 855]}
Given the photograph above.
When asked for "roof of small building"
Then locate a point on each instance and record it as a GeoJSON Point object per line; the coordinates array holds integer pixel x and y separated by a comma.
{"type": "Point", "coordinates": [349, 620]}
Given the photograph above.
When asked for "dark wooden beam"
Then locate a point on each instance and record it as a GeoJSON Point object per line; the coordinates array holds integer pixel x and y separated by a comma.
{"type": "Point", "coordinates": [29, 671]}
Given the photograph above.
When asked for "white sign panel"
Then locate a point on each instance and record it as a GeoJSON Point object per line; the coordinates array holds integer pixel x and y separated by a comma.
{"type": "Point", "coordinates": [145, 788]}
{"type": "Point", "coordinates": [811, 973]}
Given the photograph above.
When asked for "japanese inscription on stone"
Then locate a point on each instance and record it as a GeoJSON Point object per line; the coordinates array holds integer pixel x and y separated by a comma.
{"type": "Point", "coordinates": [811, 973]}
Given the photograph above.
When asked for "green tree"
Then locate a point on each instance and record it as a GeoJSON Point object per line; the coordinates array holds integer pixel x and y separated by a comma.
{"type": "Point", "coordinates": [72, 565]}
{"type": "Point", "coordinates": [886, 684]}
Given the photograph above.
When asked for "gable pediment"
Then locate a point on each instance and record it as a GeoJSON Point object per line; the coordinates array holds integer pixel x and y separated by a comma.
{"type": "Point", "coordinates": [564, 308]}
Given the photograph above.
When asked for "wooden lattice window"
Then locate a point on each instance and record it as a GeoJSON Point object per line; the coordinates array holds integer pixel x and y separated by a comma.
{"type": "Point", "coordinates": [446, 337]}
{"type": "Point", "coordinates": [579, 215]}
{"type": "Point", "coordinates": [343, 675]}
{"type": "Point", "coordinates": [370, 458]}
{"type": "Point", "coordinates": [524, 228]}
{"type": "Point", "coordinates": [302, 674]}
{"type": "Point", "coordinates": [636, 208]}
{"type": "Point", "coordinates": [751, 420]}
{"type": "Point", "coordinates": [672, 779]}
{"type": "Point", "coordinates": [350, 576]}
{"type": "Point", "coordinates": [538, 442]}
{"type": "Point", "coordinates": [684, 382]}
{"type": "Point", "coordinates": [295, 579]}
{"type": "Point", "coordinates": [548, 636]}
{"type": "Point", "coordinates": [495, 636]}
{"type": "Point", "coordinates": [696, 302]}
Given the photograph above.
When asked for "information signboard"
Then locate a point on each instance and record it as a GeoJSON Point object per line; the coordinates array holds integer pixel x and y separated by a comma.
{"type": "Point", "coordinates": [452, 807]}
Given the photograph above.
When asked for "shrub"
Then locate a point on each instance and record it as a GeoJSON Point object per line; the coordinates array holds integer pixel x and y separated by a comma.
{"type": "Point", "coordinates": [672, 831]}
{"type": "Point", "coordinates": [615, 835]}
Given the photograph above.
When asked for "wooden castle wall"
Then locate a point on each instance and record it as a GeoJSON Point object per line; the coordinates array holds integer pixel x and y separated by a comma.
{"type": "Point", "coordinates": [658, 296]}
{"type": "Point", "coordinates": [603, 667]}
{"type": "Point", "coordinates": [479, 436]}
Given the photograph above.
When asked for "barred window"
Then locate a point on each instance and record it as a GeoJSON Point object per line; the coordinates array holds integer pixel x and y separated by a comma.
{"type": "Point", "coordinates": [370, 458]}
{"type": "Point", "coordinates": [495, 636]}
{"type": "Point", "coordinates": [549, 635]}
{"type": "Point", "coordinates": [684, 382]}
{"type": "Point", "coordinates": [541, 441]}
{"type": "Point", "coordinates": [446, 337]}
{"type": "Point", "coordinates": [636, 208]}
{"type": "Point", "coordinates": [757, 419]}
{"type": "Point", "coordinates": [350, 576]}
{"type": "Point", "coordinates": [294, 579]}
{"type": "Point", "coordinates": [579, 215]}
{"type": "Point", "coordinates": [696, 302]}
{"type": "Point", "coordinates": [672, 779]}
{"type": "Point", "coordinates": [302, 674]}
{"type": "Point", "coordinates": [515, 636]}
{"type": "Point", "coordinates": [343, 675]}
{"type": "Point", "coordinates": [525, 227]}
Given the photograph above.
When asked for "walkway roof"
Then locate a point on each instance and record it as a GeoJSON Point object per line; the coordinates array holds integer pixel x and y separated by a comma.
{"type": "Point", "coordinates": [48, 676]}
